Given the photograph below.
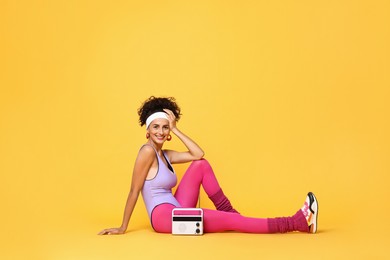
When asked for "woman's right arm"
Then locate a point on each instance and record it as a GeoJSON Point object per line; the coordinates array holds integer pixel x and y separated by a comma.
{"type": "Point", "coordinates": [141, 168]}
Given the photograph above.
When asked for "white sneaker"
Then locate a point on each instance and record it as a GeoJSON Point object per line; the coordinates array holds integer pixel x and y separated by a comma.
{"type": "Point", "coordinates": [310, 211]}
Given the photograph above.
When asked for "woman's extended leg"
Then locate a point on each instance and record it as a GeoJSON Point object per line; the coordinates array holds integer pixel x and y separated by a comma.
{"type": "Point", "coordinates": [201, 173]}
{"type": "Point", "coordinates": [219, 221]}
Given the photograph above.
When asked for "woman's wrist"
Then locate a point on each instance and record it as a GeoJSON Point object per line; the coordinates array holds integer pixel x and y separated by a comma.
{"type": "Point", "coordinates": [175, 130]}
{"type": "Point", "coordinates": [122, 228]}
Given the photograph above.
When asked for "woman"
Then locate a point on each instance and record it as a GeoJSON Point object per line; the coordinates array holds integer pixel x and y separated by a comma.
{"type": "Point", "coordinates": [154, 176]}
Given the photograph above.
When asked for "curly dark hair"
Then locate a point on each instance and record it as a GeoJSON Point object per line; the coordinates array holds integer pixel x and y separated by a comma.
{"type": "Point", "coordinates": [157, 104]}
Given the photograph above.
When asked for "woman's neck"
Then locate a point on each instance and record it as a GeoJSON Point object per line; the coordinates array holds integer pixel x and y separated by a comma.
{"type": "Point", "coordinates": [158, 147]}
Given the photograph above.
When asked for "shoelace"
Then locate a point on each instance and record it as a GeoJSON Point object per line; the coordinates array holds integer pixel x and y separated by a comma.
{"type": "Point", "coordinates": [306, 210]}
{"type": "Point", "coordinates": [307, 213]}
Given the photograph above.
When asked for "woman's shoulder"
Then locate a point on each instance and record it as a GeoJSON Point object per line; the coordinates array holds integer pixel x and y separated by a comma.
{"type": "Point", "coordinates": [146, 149]}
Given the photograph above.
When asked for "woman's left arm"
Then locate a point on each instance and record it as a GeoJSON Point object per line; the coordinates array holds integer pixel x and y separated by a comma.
{"type": "Point", "coordinates": [194, 151]}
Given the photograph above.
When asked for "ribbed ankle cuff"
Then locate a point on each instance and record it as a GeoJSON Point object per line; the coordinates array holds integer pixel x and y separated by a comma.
{"type": "Point", "coordinates": [287, 224]}
{"type": "Point", "coordinates": [221, 202]}
{"type": "Point", "coordinates": [300, 222]}
{"type": "Point", "coordinates": [272, 225]}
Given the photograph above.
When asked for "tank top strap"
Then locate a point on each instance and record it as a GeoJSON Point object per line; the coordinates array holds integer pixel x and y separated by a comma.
{"type": "Point", "coordinates": [160, 160]}
{"type": "Point", "coordinates": [158, 157]}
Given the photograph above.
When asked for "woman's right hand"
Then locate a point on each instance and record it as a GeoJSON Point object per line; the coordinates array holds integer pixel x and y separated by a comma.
{"type": "Point", "coordinates": [112, 231]}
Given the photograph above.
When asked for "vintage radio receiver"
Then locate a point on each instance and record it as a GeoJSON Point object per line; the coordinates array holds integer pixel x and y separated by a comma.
{"type": "Point", "coordinates": [187, 221]}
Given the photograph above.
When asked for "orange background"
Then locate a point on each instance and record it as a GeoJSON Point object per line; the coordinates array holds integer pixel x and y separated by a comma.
{"type": "Point", "coordinates": [284, 97]}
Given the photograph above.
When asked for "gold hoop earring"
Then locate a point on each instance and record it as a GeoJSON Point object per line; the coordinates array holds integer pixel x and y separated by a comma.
{"type": "Point", "coordinates": [169, 138]}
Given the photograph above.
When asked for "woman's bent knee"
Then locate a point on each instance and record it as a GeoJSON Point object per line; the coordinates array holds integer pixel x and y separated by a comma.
{"type": "Point", "coordinates": [200, 163]}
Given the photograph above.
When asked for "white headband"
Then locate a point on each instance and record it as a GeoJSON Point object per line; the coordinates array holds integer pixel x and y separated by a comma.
{"type": "Point", "coordinates": [155, 116]}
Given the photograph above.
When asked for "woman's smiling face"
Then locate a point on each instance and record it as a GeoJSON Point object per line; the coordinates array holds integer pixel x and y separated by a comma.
{"type": "Point", "coordinates": [159, 130]}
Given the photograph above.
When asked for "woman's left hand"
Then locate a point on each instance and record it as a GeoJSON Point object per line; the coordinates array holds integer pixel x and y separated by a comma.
{"type": "Point", "coordinates": [171, 119]}
{"type": "Point", "coordinates": [112, 231]}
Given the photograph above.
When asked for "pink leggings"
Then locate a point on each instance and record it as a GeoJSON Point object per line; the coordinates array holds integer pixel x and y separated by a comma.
{"type": "Point", "coordinates": [187, 193]}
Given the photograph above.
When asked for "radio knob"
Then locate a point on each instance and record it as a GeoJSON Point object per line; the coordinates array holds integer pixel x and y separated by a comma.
{"type": "Point", "coordinates": [197, 224]}
{"type": "Point", "coordinates": [197, 231]}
